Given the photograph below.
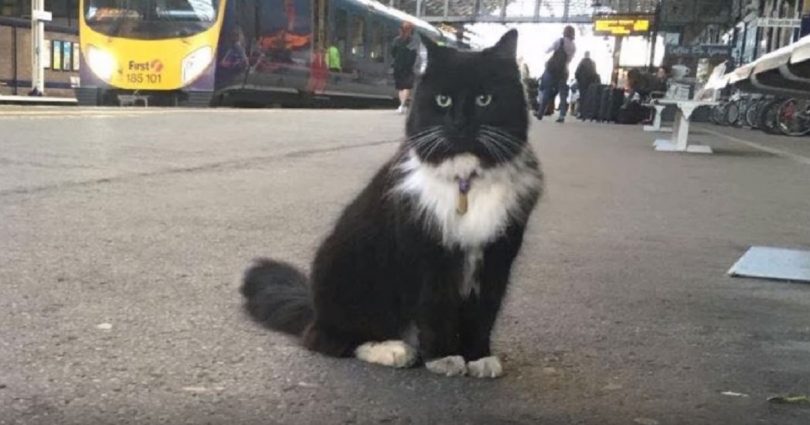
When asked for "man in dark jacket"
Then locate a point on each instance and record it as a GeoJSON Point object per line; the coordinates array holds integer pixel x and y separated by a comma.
{"type": "Point", "coordinates": [586, 73]}
{"type": "Point", "coordinates": [404, 51]}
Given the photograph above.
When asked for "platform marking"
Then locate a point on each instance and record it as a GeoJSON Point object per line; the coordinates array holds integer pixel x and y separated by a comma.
{"type": "Point", "coordinates": [779, 152]}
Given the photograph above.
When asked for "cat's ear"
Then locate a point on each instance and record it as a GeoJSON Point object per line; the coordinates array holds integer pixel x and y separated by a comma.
{"type": "Point", "coordinates": [506, 47]}
{"type": "Point", "coordinates": [434, 50]}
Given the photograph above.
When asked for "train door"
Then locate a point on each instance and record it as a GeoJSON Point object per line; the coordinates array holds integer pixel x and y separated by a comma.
{"type": "Point", "coordinates": [320, 19]}
{"type": "Point", "coordinates": [363, 69]}
{"type": "Point", "coordinates": [281, 49]}
{"type": "Point", "coordinates": [376, 57]}
{"type": "Point", "coordinates": [236, 41]}
{"type": "Point", "coordinates": [318, 65]}
{"type": "Point", "coordinates": [338, 62]}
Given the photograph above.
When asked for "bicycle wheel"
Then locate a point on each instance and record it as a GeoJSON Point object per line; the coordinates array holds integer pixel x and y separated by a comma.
{"type": "Point", "coordinates": [792, 118]}
{"type": "Point", "coordinates": [715, 115]}
{"type": "Point", "coordinates": [720, 116]}
{"type": "Point", "coordinates": [742, 106]}
{"type": "Point", "coordinates": [732, 113]}
{"type": "Point", "coordinates": [768, 115]}
{"type": "Point", "coordinates": [752, 113]}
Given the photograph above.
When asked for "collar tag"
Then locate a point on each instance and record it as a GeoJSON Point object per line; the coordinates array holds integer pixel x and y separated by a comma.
{"type": "Point", "coordinates": [464, 185]}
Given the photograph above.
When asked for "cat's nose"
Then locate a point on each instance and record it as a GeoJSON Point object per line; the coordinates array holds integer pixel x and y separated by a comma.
{"type": "Point", "coordinates": [459, 123]}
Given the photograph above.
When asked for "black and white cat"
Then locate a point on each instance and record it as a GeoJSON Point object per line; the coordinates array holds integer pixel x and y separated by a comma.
{"type": "Point", "coordinates": [418, 264]}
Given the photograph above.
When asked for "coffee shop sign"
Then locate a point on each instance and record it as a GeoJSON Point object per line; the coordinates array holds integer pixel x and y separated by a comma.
{"type": "Point", "coordinates": [703, 50]}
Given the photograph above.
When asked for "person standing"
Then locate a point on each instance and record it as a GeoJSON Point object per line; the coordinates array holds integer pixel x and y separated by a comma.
{"type": "Point", "coordinates": [555, 78]}
{"type": "Point", "coordinates": [586, 73]}
{"type": "Point", "coordinates": [404, 52]}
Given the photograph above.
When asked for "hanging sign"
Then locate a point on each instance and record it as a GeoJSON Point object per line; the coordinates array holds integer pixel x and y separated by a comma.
{"type": "Point", "coordinates": [622, 25]}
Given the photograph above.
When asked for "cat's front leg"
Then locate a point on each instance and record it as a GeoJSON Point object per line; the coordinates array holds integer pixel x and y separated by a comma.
{"type": "Point", "coordinates": [439, 339]}
{"type": "Point", "coordinates": [480, 309]}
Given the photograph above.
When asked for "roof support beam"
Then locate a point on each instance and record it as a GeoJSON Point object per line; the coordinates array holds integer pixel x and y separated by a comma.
{"type": "Point", "coordinates": [574, 19]}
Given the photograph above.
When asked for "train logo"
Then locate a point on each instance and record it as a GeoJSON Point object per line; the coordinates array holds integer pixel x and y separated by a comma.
{"type": "Point", "coordinates": [154, 66]}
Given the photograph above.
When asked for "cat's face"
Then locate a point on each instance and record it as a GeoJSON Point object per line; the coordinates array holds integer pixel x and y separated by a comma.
{"type": "Point", "coordinates": [469, 103]}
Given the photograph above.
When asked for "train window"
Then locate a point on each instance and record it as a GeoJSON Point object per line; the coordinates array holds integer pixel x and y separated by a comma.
{"type": "Point", "coordinates": [377, 50]}
{"type": "Point", "coordinates": [63, 11]}
{"type": "Point", "coordinates": [390, 34]}
{"type": "Point", "coordinates": [8, 7]}
{"type": "Point", "coordinates": [341, 30]}
{"type": "Point", "coordinates": [319, 20]}
{"type": "Point", "coordinates": [246, 15]}
{"type": "Point", "coordinates": [357, 35]}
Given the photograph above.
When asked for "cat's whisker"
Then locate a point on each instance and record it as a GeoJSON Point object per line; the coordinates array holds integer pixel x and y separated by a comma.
{"type": "Point", "coordinates": [503, 146]}
{"type": "Point", "coordinates": [503, 153]}
{"type": "Point", "coordinates": [423, 133]}
{"type": "Point", "coordinates": [435, 146]}
{"type": "Point", "coordinates": [426, 142]}
{"type": "Point", "coordinates": [502, 132]}
{"type": "Point", "coordinates": [507, 150]}
{"type": "Point", "coordinates": [508, 147]}
{"type": "Point", "coordinates": [485, 144]}
{"type": "Point", "coordinates": [492, 146]}
{"type": "Point", "coordinates": [426, 139]}
{"type": "Point", "coordinates": [426, 130]}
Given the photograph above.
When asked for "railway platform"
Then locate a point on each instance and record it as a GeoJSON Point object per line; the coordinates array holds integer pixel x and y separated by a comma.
{"type": "Point", "coordinates": [123, 232]}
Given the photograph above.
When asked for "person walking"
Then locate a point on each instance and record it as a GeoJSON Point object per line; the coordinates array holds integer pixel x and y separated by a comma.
{"type": "Point", "coordinates": [555, 78]}
{"type": "Point", "coordinates": [404, 51]}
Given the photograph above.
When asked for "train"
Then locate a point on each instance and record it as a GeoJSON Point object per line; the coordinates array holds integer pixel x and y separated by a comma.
{"type": "Point", "coordinates": [240, 52]}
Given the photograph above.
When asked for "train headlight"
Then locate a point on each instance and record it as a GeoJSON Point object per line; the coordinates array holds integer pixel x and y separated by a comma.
{"type": "Point", "coordinates": [195, 63]}
{"type": "Point", "coordinates": [101, 62]}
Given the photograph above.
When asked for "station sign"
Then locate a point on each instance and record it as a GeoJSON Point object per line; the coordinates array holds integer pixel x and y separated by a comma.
{"type": "Point", "coordinates": [779, 23]}
{"type": "Point", "coordinates": [622, 25]}
{"type": "Point", "coordinates": [701, 50]}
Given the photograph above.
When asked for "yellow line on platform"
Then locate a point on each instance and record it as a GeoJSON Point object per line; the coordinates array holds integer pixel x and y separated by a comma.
{"type": "Point", "coordinates": [783, 153]}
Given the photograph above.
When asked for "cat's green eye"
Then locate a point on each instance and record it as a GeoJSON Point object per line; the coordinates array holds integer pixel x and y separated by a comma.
{"type": "Point", "coordinates": [483, 100]}
{"type": "Point", "coordinates": [444, 100]}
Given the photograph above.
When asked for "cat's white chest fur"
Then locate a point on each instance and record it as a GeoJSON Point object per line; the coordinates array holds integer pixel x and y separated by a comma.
{"type": "Point", "coordinates": [494, 194]}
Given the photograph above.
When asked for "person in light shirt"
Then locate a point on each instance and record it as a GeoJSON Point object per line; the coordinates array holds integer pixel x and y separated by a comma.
{"type": "Point", "coordinates": [555, 78]}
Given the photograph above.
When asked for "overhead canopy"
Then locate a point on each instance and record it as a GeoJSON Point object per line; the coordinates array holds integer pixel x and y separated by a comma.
{"type": "Point", "coordinates": [468, 11]}
{"type": "Point", "coordinates": [773, 60]}
{"type": "Point", "coordinates": [741, 73]}
{"type": "Point", "coordinates": [801, 52]}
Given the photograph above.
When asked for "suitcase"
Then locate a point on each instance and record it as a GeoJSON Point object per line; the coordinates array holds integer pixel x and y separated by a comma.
{"type": "Point", "coordinates": [604, 106]}
{"type": "Point", "coordinates": [615, 104]}
{"type": "Point", "coordinates": [612, 100]}
{"type": "Point", "coordinates": [589, 102]}
{"type": "Point", "coordinates": [597, 101]}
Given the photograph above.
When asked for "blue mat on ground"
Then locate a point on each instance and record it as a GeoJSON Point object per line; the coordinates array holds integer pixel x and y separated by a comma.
{"type": "Point", "coordinates": [773, 263]}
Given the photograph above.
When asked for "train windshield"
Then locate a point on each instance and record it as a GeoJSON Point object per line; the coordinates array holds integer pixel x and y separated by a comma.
{"type": "Point", "coordinates": [150, 19]}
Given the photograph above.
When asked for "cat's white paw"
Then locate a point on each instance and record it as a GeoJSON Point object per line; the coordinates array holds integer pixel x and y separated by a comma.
{"type": "Point", "coordinates": [448, 366]}
{"type": "Point", "coordinates": [391, 353]}
{"type": "Point", "coordinates": [485, 367]}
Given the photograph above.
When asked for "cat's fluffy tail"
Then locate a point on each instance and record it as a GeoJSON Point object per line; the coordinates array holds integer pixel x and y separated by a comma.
{"type": "Point", "coordinates": [277, 296]}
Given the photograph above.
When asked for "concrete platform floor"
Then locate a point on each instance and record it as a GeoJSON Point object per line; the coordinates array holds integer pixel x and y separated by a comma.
{"type": "Point", "coordinates": [122, 233]}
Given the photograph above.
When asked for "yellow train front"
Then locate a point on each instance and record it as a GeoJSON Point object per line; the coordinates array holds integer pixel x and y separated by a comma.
{"type": "Point", "coordinates": [151, 51]}
{"type": "Point", "coordinates": [240, 52]}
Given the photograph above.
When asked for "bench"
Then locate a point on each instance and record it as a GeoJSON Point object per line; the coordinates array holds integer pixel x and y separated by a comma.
{"type": "Point", "coordinates": [656, 125]}
{"type": "Point", "coordinates": [679, 142]}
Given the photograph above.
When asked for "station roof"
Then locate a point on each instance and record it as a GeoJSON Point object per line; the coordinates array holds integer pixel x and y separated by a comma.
{"type": "Point", "coordinates": [513, 11]}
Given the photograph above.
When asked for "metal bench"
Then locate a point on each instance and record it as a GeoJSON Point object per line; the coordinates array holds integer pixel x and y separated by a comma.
{"type": "Point", "coordinates": [679, 142]}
